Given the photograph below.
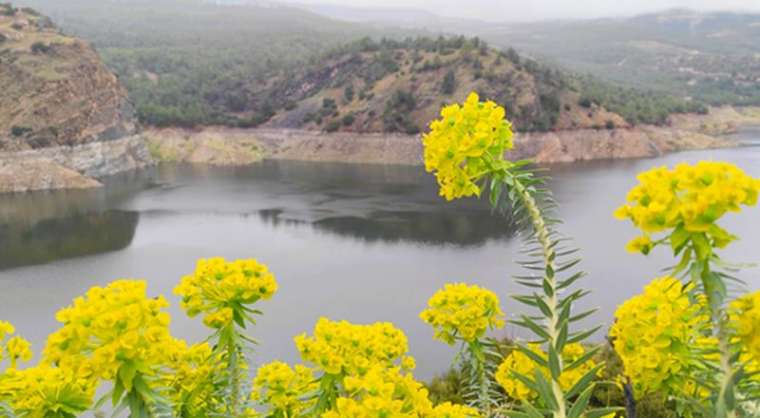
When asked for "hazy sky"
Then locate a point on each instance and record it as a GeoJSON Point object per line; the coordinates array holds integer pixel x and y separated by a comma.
{"type": "Point", "coordinates": [500, 10]}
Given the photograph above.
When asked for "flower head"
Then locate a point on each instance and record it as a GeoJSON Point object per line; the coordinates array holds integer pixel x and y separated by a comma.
{"type": "Point", "coordinates": [15, 348]}
{"type": "Point", "coordinates": [110, 327]}
{"type": "Point", "coordinates": [223, 290]}
{"type": "Point", "coordinates": [655, 333]}
{"type": "Point", "coordinates": [45, 391]}
{"type": "Point", "coordinates": [688, 198]}
{"type": "Point", "coordinates": [284, 388]}
{"type": "Point", "coordinates": [463, 143]}
{"type": "Point", "coordinates": [463, 311]}
{"type": "Point", "coordinates": [343, 347]}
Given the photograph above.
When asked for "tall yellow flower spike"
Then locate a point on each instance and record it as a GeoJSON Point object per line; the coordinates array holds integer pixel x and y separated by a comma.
{"type": "Point", "coordinates": [463, 144]}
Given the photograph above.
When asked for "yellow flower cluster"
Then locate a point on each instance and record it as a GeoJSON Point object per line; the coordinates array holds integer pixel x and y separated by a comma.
{"type": "Point", "coordinates": [45, 391]}
{"type": "Point", "coordinates": [343, 347]}
{"type": "Point", "coordinates": [690, 196]}
{"type": "Point", "coordinates": [655, 333]}
{"type": "Point", "coordinates": [744, 315]}
{"type": "Point", "coordinates": [463, 143]}
{"type": "Point", "coordinates": [284, 388]}
{"type": "Point", "coordinates": [463, 311]}
{"type": "Point", "coordinates": [110, 327]}
{"type": "Point", "coordinates": [519, 362]}
{"type": "Point", "coordinates": [15, 348]}
{"type": "Point", "coordinates": [218, 288]}
{"type": "Point", "coordinates": [387, 392]}
{"type": "Point", "coordinates": [190, 376]}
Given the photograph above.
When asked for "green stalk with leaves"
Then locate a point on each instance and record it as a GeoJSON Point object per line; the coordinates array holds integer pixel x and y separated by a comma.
{"type": "Point", "coordinates": [685, 204]}
{"type": "Point", "coordinates": [465, 148]}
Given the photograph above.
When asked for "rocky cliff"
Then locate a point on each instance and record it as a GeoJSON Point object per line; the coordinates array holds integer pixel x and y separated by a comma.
{"type": "Point", "coordinates": [64, 117]}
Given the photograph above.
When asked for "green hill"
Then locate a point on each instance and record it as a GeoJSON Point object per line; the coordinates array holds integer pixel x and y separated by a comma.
{"type": "Point", "coordinates": [398, 86]}
{"type": "Point", "coordinates": [711, 57]}
{"type": "Point", "coordinates": [189, 63]}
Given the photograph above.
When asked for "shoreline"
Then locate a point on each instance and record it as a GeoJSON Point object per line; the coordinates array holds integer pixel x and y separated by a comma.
{"type": "Point", "coordinates": [83, 166]}
{"type": "Point", "coordinates": [217, 145]}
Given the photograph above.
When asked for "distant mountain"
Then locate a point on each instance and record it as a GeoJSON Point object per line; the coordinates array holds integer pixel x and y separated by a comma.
{"type": "Point", "coordinates": [711, 57]}
{"type": "Point", "coordinates": [714, 57]}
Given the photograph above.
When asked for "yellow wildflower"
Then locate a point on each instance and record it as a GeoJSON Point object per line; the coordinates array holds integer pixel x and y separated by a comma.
{"type": "Point", "coordinates": [654, 334]}
{"type": "Point", "coordinates": [690, 198]}
{"type": "Point", "coordinates": [462, 145]}
{"type": "Point", "coordinates": [223, 290]}
{"type": "Point", "coordinates": [284, 388]}
{"type": "Point", "coordinates": [463, 311]}
{"type": "Point", "coordinates": [343, 347]}
{"type": "Point", "coordinates": [111, 327]}
{"type": "Point", "coordinates": [45, 391]}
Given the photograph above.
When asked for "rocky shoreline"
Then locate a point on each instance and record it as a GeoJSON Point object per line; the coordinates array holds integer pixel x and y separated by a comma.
{"type": "Point", "coordinates": [71, 167]}
{"type": "Point", "coordinates": [82, 166]}
{"type": "Point", "coordinates": [231, 146]}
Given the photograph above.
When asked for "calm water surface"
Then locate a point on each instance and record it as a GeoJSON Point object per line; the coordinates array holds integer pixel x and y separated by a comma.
{"type": "Point", "coordinates": [347, 242]}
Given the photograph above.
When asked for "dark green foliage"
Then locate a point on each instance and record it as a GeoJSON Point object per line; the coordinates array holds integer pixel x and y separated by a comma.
{"type": "Point", "coordinates": [609, 124]}
{"type": "Point", "coordinates": [20, 130]}
{"type": "Point", "coordinates": [449, 84]}
{"type": "Point", "coordinates": [635, 106]}
{"type": "Point", "coordinates": [397, 114]}
{"type": "Point", "coordinates": [40, 48]}
{"type": "Point", "coordinates": [348, 119]}
{"type": "Point", "coordinates": [332, 126]}
{"type": "Point", "coordinates": [348, 93]}
{"type": "Point", "coordinates": [6, 9]}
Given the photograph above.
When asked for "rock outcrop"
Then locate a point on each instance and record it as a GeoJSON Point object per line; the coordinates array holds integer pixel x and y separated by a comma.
{"type": "Point", "coordinates": [65, 119]}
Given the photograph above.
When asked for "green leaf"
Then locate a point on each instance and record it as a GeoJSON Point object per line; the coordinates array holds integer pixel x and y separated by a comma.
{"type": "Point", "coordinates": [581, 403]}
{"type": "Point", "coordinates": [701, 246]}
{"type": "Point", "coordinates": [584, 358]}
{"type": "Point", "coordinates": [117, 392]}
{"type": "Point", "coordinates": [678, 239]}
{"type": "Point", "coordinates": [127, 374]}
{"type": "Point", "coordinates": [554, 363]}
{"type": "Point", "coordinates": [528, 323]}
{"type": "Point", "coordinates": [545, 390]}
{"type": "Point", "coordinates": [531, 410]}
{"type": "Point", "coordinates": [580, 336]}
{"type": "Point", "coordinates": [583, 383]}
{"type": "Point", "coordinates": [540, 361]}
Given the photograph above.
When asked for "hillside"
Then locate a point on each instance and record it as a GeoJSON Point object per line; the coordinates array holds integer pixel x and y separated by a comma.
{"type": "Point", "coordinates": [65, 119]}
{"type": "Point", "coordinates": [711, 57]}
{"type": "Point", "coordinates": [191, 62]}
{"type": "Point", "coordinates": [54, 90]}
{"type": "Point", "coordinates": [399, 86]}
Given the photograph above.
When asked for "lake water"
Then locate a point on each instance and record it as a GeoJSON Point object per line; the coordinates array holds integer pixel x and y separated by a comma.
{"type": "Point", "coordinates": [362, 243]}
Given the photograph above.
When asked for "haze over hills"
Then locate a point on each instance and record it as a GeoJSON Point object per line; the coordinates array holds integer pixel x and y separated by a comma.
{"type": "Point", "coordinates": [709, 56]}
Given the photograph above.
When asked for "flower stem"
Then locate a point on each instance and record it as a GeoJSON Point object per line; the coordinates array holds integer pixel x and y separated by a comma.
{"type": "Point", "coordinates": [715, 300]}
{"type": "Point", "coordinates": [542, 232]}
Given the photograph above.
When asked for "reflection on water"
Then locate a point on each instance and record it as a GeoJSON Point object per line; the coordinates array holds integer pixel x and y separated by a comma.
{"type": "Point", "coordinates": [362, 243]}
{"type": "Point", "coordinates": [437, 227]}
{"type": "Point", "coordinates": [59, 238]}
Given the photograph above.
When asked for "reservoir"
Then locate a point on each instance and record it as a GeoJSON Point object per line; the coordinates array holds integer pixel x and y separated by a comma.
{"type": "Point", "coordinates": [361, 243]}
